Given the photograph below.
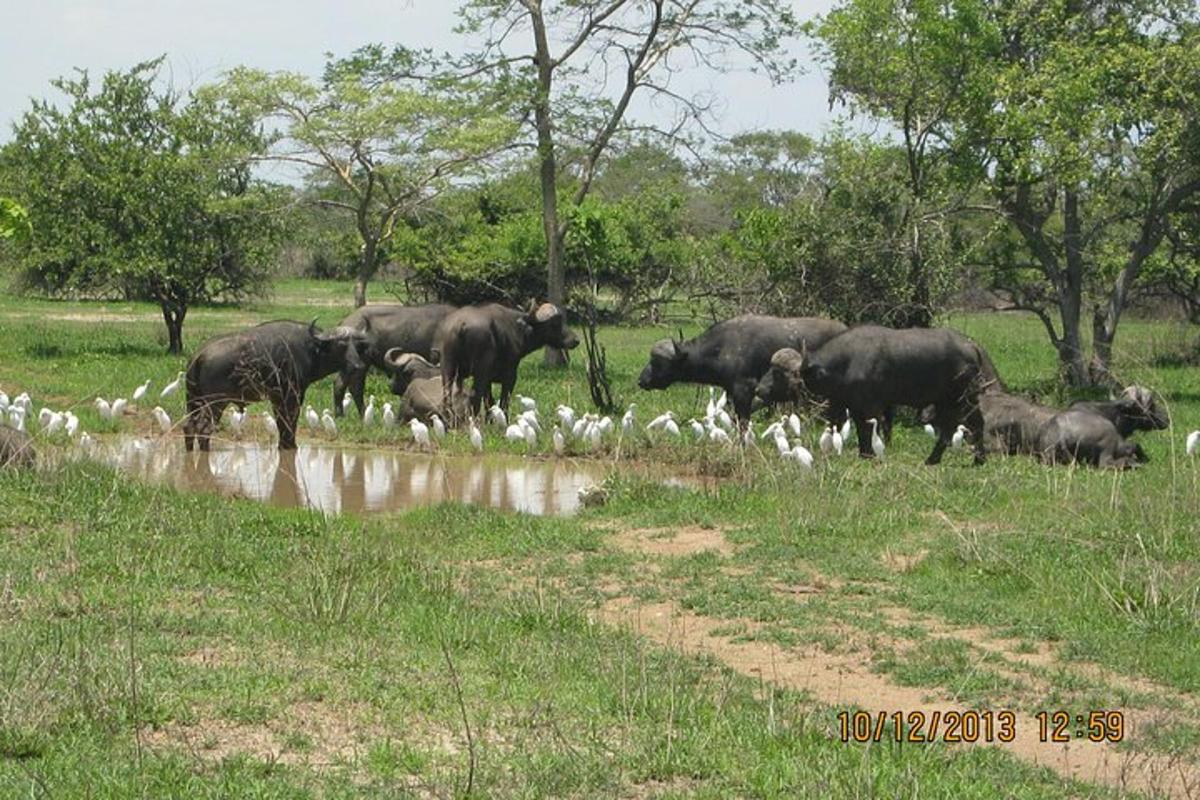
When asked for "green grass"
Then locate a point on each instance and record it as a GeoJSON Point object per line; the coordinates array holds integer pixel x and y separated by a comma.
{"type": "Point", "coordinates": [112, 595]}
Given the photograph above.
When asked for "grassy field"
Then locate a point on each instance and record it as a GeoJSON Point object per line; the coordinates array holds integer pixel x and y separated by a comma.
{"type": "Point", "coordinates": [669, 643]}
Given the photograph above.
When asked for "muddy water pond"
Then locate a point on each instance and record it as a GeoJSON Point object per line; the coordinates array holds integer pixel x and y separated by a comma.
{"type": "Point", "coordinates": [336, 480]}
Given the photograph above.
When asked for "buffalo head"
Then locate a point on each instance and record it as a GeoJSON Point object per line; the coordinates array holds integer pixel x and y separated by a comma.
{"type": "Point", "coordinates": [547, 328]}
{"type": "Point", "coordinates": [1141, 411]}
{"type": "Point", "coordinates": [667, 359]}
{"type": "Point", "coordinates": [405, 368]}
{"type": "Point", "coordinates": [338, 347]}
{"type": "Point", "coordinates": [784, 379]}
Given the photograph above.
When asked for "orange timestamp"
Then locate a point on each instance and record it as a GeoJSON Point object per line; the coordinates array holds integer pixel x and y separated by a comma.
{"type": "Point", "coordinates": [970, 726]}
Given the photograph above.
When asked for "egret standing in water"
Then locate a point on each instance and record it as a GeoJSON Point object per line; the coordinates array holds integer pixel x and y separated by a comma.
{"type": "Point", "coordinates": [476, 437]}
{"type": "Point", "coordinates": [420, 432]}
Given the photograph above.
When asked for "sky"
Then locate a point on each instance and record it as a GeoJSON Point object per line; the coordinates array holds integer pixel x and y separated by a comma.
{"type": "Point", "coordinates": [203, 38]}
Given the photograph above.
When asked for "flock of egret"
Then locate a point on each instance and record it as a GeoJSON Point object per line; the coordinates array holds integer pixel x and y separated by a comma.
{"type": "Point", "coordinates": [587, 430]}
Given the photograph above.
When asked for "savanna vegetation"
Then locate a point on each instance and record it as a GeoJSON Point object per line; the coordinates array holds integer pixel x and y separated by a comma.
{"type": "Point", "coordinates": [1032, 168]}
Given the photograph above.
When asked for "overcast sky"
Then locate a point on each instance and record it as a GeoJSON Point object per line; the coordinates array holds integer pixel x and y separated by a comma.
{"type": "Point", "coordinates": [202, 38]}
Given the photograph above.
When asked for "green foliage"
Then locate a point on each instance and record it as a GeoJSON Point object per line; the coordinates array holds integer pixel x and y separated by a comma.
{"type": "Point", "coordinates": [14, 221]}
{"type": "Point", "coordinates": [133, 189]}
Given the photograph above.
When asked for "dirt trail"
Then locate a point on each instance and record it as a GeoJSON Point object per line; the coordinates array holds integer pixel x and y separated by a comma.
{"type": "Point", "coordinates": [846, 678]}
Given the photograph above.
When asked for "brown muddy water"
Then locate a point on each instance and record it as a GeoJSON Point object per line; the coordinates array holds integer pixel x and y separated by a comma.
{"type": "Point", "coordinates": [336, 480]}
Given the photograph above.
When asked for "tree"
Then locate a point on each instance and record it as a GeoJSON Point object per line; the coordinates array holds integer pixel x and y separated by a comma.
{"type": "Point", "coordinates": [14, 220]}
{"type": "Point", "coordinates": [1078, 120]}
{"type": "Point", "coordinates": [385, 139]}
{"type": "Point", "coordinates": [139, 189]}
{"type": "Point", "coordinates": [567, 51]}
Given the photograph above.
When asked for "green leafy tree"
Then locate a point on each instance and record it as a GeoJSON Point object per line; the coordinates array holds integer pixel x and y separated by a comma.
{"type": "Point", "coordinates": [14, 220]}
{"type": "Point", "coordinates": [577, 66]}
{"type": "Point", "coordinates": [135, 187]}
{"type": "Point", "coordinates": [1078, 120]}
{"type": "Point", "coordinates": [382, 139]}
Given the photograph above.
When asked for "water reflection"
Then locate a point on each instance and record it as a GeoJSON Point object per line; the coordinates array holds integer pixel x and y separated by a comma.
{"type": "Point", "coordinates": [334, 480]}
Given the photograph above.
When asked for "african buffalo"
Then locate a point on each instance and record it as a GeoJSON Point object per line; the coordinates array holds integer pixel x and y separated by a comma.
{"type": "Point", "coordinates": [869, 369]}
{"type": "Point", "coordinates": [387, 326]}
{"type": "Point", "coordinates": [1012, 424]}
{"type": "Point", "coordinates": [418, 384]}
{"type": "Point", "coordinates": [487, 342]}
{"type": "Point", "coordinates": [274, 361]}
{"type": "Point", "coordinates": [733, 354]}
{"type": "Point", "coordinates": [1080, 435]}
{"type": "Point", "coordinates": [1135, 410]}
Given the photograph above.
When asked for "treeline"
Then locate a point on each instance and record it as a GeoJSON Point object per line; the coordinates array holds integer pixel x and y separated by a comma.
{"type": "Point", "coordinates": [1042, 157]}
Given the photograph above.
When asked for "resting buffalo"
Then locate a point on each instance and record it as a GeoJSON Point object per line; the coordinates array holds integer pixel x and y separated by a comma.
{"type": "Point", "coordinates": [1012, 424]}
{"type": "Point", "coordinates": [1135, 410]}
{"type": "Point", "coordinates": [274, 361]}
{"type": "Point", "coordinates": [16, 448]}
{"type": "Point", "coordinates": [418, 384]}
{"type": "Point", "coordinates": [410, 328]}
{"type": "Point", "coordinates": [869, 369]}
{"type": "Point", "coordinates": [487, 342]}
{"type": "Point", "coordinates": [734, 354]}
{"type": "Point", "coordinates": [1080, 435]}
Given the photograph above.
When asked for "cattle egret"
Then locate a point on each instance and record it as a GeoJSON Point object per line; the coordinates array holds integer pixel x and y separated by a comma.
{"type": "Point", "coordinates": [697, 429]}
{"type": "Point", "coordinates": [85, 441]}
{"type": "Point", "coordinates": [526, 403]}
{"type": "Point", "coordinates": [560, 442]}
{"type": "Point", "coordinates": [529, 431]}
{"type": "Point", "coordinates": [580, 427]}
{"type": "Point", "coordinates": [671, 428]}
{"type": "Point", "coordinates": [723, 418]}
{"type": "Point", "coordinates": [781, 443]}
{"type": "Point", "coordinates": [594, 430]}
{"type": "Point", "coordinates": [710, 410]}
{"type": "Point", "coordinates": [103, 408]}
{"type": "Point", "coordinates": [439, 427]}
{"type": "Point", "coordinates": [931, 431]}
{"type": "Point", "coordinates": [476, 437]}
{"type": "Point", "coordinates": [794, 424]}
{"type": "Point", "coordinates": [529, 418]}
{"type": "Point", "coordinates": [748, 434]}
{"type": "Point", "coordinates": [957, 439]}
{"type": "Point", "coordinates": [72, 425]}
{"type": "Point", "coordinates": [660, 421]}
{"type": "Point", "coordinates": [389, 415]}
{"type": "Point", "coordinates": [826, 441]}
{"type": "Point", "coordinates": [566, 415]}
{"type": "Point", "coordinates": [1193, 443]}
{"type": "Point", "coordinates": [44, 417]}
{"type": "Point", "coordinates": [347, 399]}
{"type": "Point", "coordinates": [627, 420]}
{"type": "Point", "coordinates": [420, 432]}
{"type": "Point", "coordinates": [311, 418]}
{"type": "Point", "coordinates": [16, 417]}
{"type": "Point", "coordinates": [605, 425]}
{"type": "Point", "coordinates": [845, 431]}
{"type": "Point", "coordinates": [56, 422]}
{"type": "Point", "coordinates": [329, 423]}
{"type": "Point", "coordinates": [163, 419]}
{"type": "Point", "coordinates": [172, 387]}
{"type": "Point", "coordinates": [719, 435]}
{"type": "Point", "coordinates": [838, 441]}
{"type": "Point", "coordinates": [237, 420]}
{"type": "Point", "coordinates": [118, 408]}
{"type": "Point", "coordinates": [721, 401]}
{"type": "Point", "coordinates": [514, 433]}
{"type": "Point", "coordinates": [270, 424]}
{"type": "Point", "coordinates": [3, 402]}
{"type": "Point", "coordinates": [369, 413]}
{"type": "Point", "coordinates": [25, 402]}
{"type": "Point", "coordinates": [497, 416]}
{"type": "Point", "coordinates": [140, 392]}
{"type": "Point", "coordinates": [772, 429]}
{"type": "Point", "coordinates": [802, 454]}
{"type": "Point", "coordinates": [876, 439]}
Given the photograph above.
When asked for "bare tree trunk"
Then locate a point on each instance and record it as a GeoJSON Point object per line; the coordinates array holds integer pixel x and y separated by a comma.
{"type": "Point", "coordinates": [1070, 293]}
{"type": "Point", "coordinates": [556, 277]}
{"type": "Point", "coordinates": [173, 317]}
{"type": "Point", "coordinates": [366, 269]}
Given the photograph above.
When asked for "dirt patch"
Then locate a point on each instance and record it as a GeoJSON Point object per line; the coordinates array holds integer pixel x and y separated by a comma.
{"type": "Point", "coordinates": [904, 562]}
{"type": "Point", "coordinates": [846, 679]}
{"type": "Point", "coordinates": [673, 542]}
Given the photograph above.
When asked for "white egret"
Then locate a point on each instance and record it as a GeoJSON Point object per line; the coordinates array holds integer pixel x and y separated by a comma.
{"type": "Point", "coordinates": [85, 441]}
{"type": "Point", "coordinates": [44, 417]}
{"type": "Point", "coordinates": [627, 420]}
{"type": "Point", "coordinates": [802, 454]}
{"type": "Point", "coordinates": [781, 443]}
{"type": "Point", "coordinates": [660, 421]}
{"type": "Point", "coordinates": [526, 403]}
{"type": "Point", "coordinates": [514, 433]}
{"type": "Point", "coordinates": [476, 437]}
{"type": "Point", "coordinates": [710, 410]}
{"type": "Point", "coordinates": [719, 435]}
{"type": "Point", "coordinates": [420, 432]}
{"type": "Point", "coordinates": [103, 408]}
{"type": "Point", "coordinates": [56, 422]}
{"type": "Point", "coordinates": [118, 408]}
{"type": "Point", "coordinates": [497, 416]}
{"type": "Point", "coordinates": [269, 423]}
{"type": "Point", "coordinates": [671, 428]}
{"type": "Point", "coordinates": [595, 430]}
{"type": "Point", "coordinates": [931, 431]}
{"type": "Point", "coordinates": [439, 427]}
{"type": "Point", "coordinates": [826, 441]}
{"type": "Point", "coordinates": [347, 400]}
{"type": "Point", "coordinates": [605, 425]}
{"type": "Point", "coordinates": [530, 418]}
{"type": "Point", "coordinates": [748, 434]}
{"type": "Point", "coordinates": [172, 387]}
{"type": "Point", "coordinates": [957, 439]}
{"type": "Point", "coordinates": [697, 429]}
{"type": "Point", "coordinates": [838, 441]}
{"type": "Point", "coordinates": [560, 442]}
{"type": "Point", "coordinates": [163, 419]}
{"type": "Point", "coordinates": [721, 401]}
{"type": "Point", "coordinates": [311, 419]}
{"type": "Point", "coordinates": [389, 415]}
{"type": "Point", "coordinates": [140, 391]}
{"type": "Point", "coordinates": [1193, 443]}
{"type": "Point", "coordinates": [794, 424]}
{"type": "Point", "coordinates": [3, 402]}
{"type": "Point", "coordinates": [329, 423]}
{"type": "Point", "coordinates": [566, 415]}
{"type": "Point", "coordinates": [529, 431]}
{"type": "Point", "coordinates": [580, 427]}
{"type": "Point", "coordinates": [72, 424]}
{"type": "Point", "coordinates": [237, 420]}
{"type": "Point", "coordinates": [723, 418]}
{"type": "Point", "coordinates": [369, 413]}
{"type": "Point", "coordinates": [772, 429]}
{"type": "Point", "coordinates": [845, 431]}
{"type": "Point", "coordinates": [876, 440]}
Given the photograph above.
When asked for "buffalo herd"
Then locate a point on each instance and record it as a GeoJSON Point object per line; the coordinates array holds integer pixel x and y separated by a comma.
{"type": "Point", "coordinates": [862, 373]}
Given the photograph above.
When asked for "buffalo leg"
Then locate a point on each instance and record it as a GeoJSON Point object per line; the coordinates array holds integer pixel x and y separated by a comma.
{"type": "Point", "coordinates": [946, 422]}
{"type": "Point", "coordinates": [207, 416]}
{"type": "Point", "coordinates": [742, 396]}
{"type": "Point", "coordinates": [287, 415]}
{"type": "Point", "coordinates": [354, 380]}
{"type": "Point", "coordinates": [863, 428]}
{"type": "Point", "coordinates": [974, 422]}
{"type": "Point", "coordinates": [508, 382]}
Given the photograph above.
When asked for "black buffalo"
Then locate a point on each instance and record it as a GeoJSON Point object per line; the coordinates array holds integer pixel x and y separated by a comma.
{"type": "Point", "coordinates": [418, 384]}
{"type": "Point", "coordinates": [1081, 436]}
{"type": "Point", "coordinates": [1135, 410]}
{"type": "Point", "coordinates": [487, 342]}
{"type": "Point", "coordinates": [274, 361]}
{"type": "Point", "coordinates": [870, 369]}
{"type": "Point", "coordinates": [386, 326]}
{"type": "Point", "coordinates": [1012, 424]}
{"type": "Point", "coordinates": [734, 354]}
